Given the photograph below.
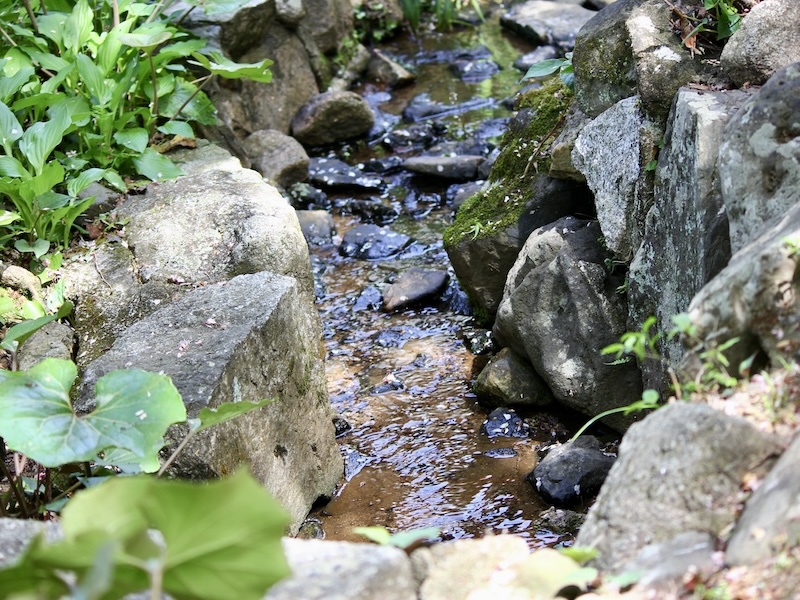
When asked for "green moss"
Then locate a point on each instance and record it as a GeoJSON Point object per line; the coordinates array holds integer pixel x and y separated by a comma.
{"type": "Point", "coordinates": [523, 157]}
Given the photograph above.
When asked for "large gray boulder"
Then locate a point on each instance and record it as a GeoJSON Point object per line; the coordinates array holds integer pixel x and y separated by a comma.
{"type": "Point", "coordinates": [755, 298]}
{"type": "Point", "coordinates": [547, 23]}
{"type": "Point", "coordinates": [686, 240]}
{"type": "Point", "coordinates": [769, 522]}
{"type": "Point", "coordinates": [560, 309]}
{"type": "Point", "coordinates": [280, 158]}
{"type": "Point", "coordinates": [332, 117]}
{"type": "Point", "coordinates": [766, 41]}
{"type": "Point", "coordinates": [249, 338]}
{"type": "Point", "coordinates": [678, 470]}
{"type": "Point", "coordinates": [760, 157]}
{"type": "Point", "coordinates": [612, 152]}
{"type": "Point", "coordinates": [509, 380]}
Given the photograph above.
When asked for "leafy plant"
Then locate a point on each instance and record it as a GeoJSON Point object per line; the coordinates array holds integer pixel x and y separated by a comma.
{"type": "Point", "coordinates": [548, 67]}
{"type": "Point", "coordinates": [444, 13]}
{"type": "Point", "coordinates": [650, 401]}
{"type": "Point", "coordinates": [718, 17]}
{"type": "Point", "coordinates": [402, 539]}
{"type": "Point", "coordinates": [20, 332]}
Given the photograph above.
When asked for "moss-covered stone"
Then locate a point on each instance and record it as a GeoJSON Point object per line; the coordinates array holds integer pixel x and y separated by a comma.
{"type": "Point", "coordinates": [524, 155]}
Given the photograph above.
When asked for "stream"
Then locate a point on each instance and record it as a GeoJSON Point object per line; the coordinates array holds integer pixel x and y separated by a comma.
{"type": "Point", "coordinates": [415, 454]}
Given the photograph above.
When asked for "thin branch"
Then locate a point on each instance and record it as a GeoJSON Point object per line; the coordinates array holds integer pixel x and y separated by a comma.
{"type": "Point", "coordinates": [31, 16]}
{"type": "Point", "coordinates": [115, 10]}
{"type": "Point", "coordinates": [190, 98]}
{"type": "Point", "coordinates": [13, 484]}
{"type": "Point", "coordinates": [174, 455]}
{"type": "Point", "coordinates": [8, 37]}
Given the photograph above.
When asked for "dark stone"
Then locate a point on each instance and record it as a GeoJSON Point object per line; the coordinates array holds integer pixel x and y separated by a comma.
{"type": "Point", "coordinates": [459, 193]}
{"type": "Point", "coordinates": [336, 174]}
{"type": "Point", "coordinates": [526, 61]}
{"type": "Point", "coordinates": [332, 117]}
{"type": "Point", "coordinates": [317, 226]}
{"type": "Point", "coordinates": [474, 71]}
{"type": "Point", "coordinates": [419, 136]}
{"type": "Point", "coordinates": [413, 286]}
{"type": "Point", "coordinates": [372, 211]}
{"type": "Point", "coordinates": [448, 167]}
{"type": "Point", "coordinates": [504, 422]}
{"type": "Point", "coordinates": [571, 473]}
{"type": "Point", "coordinates": [501, 453]}
{"type": "Point", "coordinates": [372, 242]}
{"type": "Point", "coordinates": [368, 299]}
{"type": "Point", "coordinates": [305, 197]}
{"type": "Point", "coordinates": [510, 380]}
{"type": "Point", "coordinates": [479, 342]}
{"type": "Point", "coordinates": [341, 427]}
{"type": "Point", "coordinates": [311, 529]}
{"type": "Point", "coordinates": [422, 107]}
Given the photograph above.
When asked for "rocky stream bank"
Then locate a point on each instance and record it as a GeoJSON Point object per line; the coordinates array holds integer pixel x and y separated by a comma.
{"type": "Point", "coordinates": [667, 183]}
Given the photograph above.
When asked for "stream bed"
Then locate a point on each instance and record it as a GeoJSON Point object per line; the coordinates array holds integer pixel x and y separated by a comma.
{"type": "Point", "coordinates": [415, 454]}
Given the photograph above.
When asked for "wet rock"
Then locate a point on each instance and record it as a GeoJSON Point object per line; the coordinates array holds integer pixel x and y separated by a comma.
{"type": "Point", "coordinates": [383, 69]}
{"type": "Point", "coordinates": [384, 165]}
{"type": "Point", "coordinates": [479, 342]}
{"type": "Point", "coordinates": [372, 242]}
{"type": "Point", "coordinates": [560, 521]}
{"type": "Point", "coordinates": [419, 136]}
{"type": "Point", "coordinates": [769, 519]}
{"type": "Point", "coordinates": [562, 165]}
{"type": "Point", "coordinates": [353, 70]}
{"type": "Point", "coordinates": [459, 193]}
{"type": "Point", "coordinates": [501, 453]}
{"type": "Point", "coordinates": [344, 571]}
{"type": "Point", "coordinates": [678, 470]}
{"type": "Point", "coordinates": [317, 226]}
{"type": "Point", "coordinates": [336, 174]}
{"type": "Point", "coordinates": [372, 211]}
{"type": "Point", "coordinates": [328, 24]}
{"type": "Point", "coordinates": [219, 343]}
{"type": "Point", "coordinates": [341, 427]}
{"type": "Point", "coordinates": [105, 200]}
{"type": "Point", "coordinates": [354, 461]}
{"type": "Point", "coordinates": [447, 167]}
{"type": "Point", "coordinates": [332, 117]}
{"type": "Point", "coordinates": [547, 428]}
{"type": "Point", "coordinates": [390, 383]}
{"type": "Point", "coordinates": [612, 152]}
{"type": "Point", "coordinates": [571, 473]}
{"type": "Point", "coordinates": [54, 340]}
{"type": "Point", "coordinates": [753, 299]}
{"type": "Point", "coordinates": [686, 225]}
{"type": "Point", "coordinates": [560, 272]}
{"type": "Point", "coordinates": [508, 380]}
{"type": "Point", "coordinates": [413, 286]}
{"type": "Point", "coordinates": [306, 197]}
{"type": "Point", "coordinates": [765, 42]}
{"type": "Point", "coordinates": [504, 422]}
{"type": "Point", "coordinates": [547, 23]}
{"type": "Point", "coordinates": [311, 529]}
{"type": "Point", "coordinates": [474, 71]}
{"type": "Point", "coordinates": [369, 299]}
{"type": "Point", "coordinates": [526, 61]}
{"type": "Point", "coordinates": [395, 337]}
{"type": "Point", "coordinates": [278, 157]}
{"type": "Point", "coordinates": [422, 107]}
{"type": "Point", "coordinates": [759, 158]}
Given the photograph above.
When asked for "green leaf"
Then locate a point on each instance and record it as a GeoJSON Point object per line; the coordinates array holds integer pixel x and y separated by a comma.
{"type": "Point", "coordinates": [85, 179]}
{"type": "Point", "coordinates": [7, 217]}
{"type": "Point", "coordinates": [93, 78]}
{"type": "Point", "coordinates": [78, 27]}
{"type": "Point", "coordinates": [220, 540]}
{"type": "Point", "coordinates": [9, 86]}
{"type": "Point", "coordinates": [180, 49]}
{"type": "Point", "coordinates": [11, 167]}
{"type": "Point", "coordinates": [32, 309]}
{"type": "Point", "coordinates": [209, 417]}
{"type": "Point", "coordinates": [181, 128]}
{"type": "Point", "coordinates": [22, 331]}
{"type": "Point", "coordinates": [136, 139]}
{"type": "Point", "coordinates": [110, 48]}
{"type": "Point", "coordinates": [155, 166]}
{"type": "Point", "coordinates": [229, 69]}
{"type": "Point", "coordinates": [133, 411]}
{"type": "Point", "coordinates": [39, 247]}
{"type": "Point", "coordinates": [405, 539]}
{"type": "Point", "coordinates": [198, 109]}
{"type": "Point", "coordinates": [547, 571]}
{"type": "Point", "coordinates": [10, 129]}
{"type": "Point", "coordinates": [377, 534]}
{"type": "Point", "coordinates": [148, 35]}
{"type": "Point", "coordinates": [580, 554]}
{"type": "Point", "coordinates": [543, 68]}
{"type": "Point", "coordinates": [41, 138]}
{"type": "Point", "coordinates": [218, 7]}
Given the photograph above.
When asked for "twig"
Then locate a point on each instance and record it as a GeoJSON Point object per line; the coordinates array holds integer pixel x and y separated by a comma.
{"type": "Point", "coordinates": [541, 144]}
{"type": "Point", "coordinates": [13, 484]}
{"type": "Point", "coordinates": [175, 453]}
{"type": "Point", "coordinates": [31, 15]}
{"type": "Point", "coordinates": [99, 272]}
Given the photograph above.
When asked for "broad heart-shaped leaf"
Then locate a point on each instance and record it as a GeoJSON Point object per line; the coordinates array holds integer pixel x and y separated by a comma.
{"type": "Point", "coordinates": [181, 128]}
{"type": "Point", "coordinates": [209, 417]}
{"type": "Point", "coordinates": [221, 540]}
{"type": "Point", "coordinates": [228, 69]}
{"type": "Point", "coordinates": [11, 85]}
{"type": "Point", "coordinates": [156, 166]}
{"type": "Point", "coordinates": [135, 138]}
{"type": "Point", "coordinates": [198, 109]}
{"type": "Point", "coordinates": [134, 409]}
{"type": "Point", "coordinates": [38, 248]}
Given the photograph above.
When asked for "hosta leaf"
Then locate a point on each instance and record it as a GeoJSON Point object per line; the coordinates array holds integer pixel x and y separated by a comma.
{"type": "Point", "coordinates": [543, 68]}
{"type": "Point", "coordinates": [9, 86]}
{"type": "Point", "coordinates": [11, 167]}
{"type": "Point", "coordinates": [133, 411]}
{"type": "Point", "coordinates": [10, 129]}
{"type": "Point", "coordinates": [155, 166]}
{"type": "Point", "coordinates": [220, 540]}
{"type": "Point", "coordinates": [47, 60]}
{"type": "Point", "coordinates": [22, 331]}
{"type": "Point", "coordinates": [178, 50]}
{"type": "Point", "coordinates": [219, 65]}
{"type": "Point", "coordinates": [199, 109]}
{"type": "Point", "coordinates": [217, 7]}
{"type": "Point", "coordinates": [6, 218]}
{"type": "Point", "coordinates": [109, 50]}
{"type": "Point", "coordinates": [149, 35]}
{"type": "Point", "coordinates": [78, 27]}
{"type": "Point", "coordinates": [209, 417]}
{"type": "Point", "coordinates": [85, 179]}
{"type": "Point", "coordinates": [52, 26]}
{"type": "Point", "coordinates": [38, 248]}
{"type": "Point", "coordinates": [136, 139]}
{"type": "Point", "coordinates": [93, 78]}
{"type": "Point", "coordinates": [181, 128]}
{"type": "Point", "coordinates": [41, 138]}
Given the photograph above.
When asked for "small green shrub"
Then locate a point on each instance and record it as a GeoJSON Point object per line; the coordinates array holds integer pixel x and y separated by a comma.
{"type": "Point", "coordinates": [548, 67]}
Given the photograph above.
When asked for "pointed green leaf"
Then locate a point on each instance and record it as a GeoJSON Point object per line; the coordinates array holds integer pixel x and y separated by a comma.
{"type": "Point", "coordinates": [109, 50]}
{"type": "Point", "coordinates": [231, 527]}
{"type": "Point", "coordinates": [9, 86]}
{"type": "Point", "coordinates": [7, 217]}
{"type": "Point", "coordinates": [149, 35]}
{"type": "Point", "coordinates": [155, 166]}
{"type": "Point", "coordinates": [78, 27]}
{"type": "Point", "coordinates": [41, 138]}
{"type": "Point", "coordinates": [209, 417]}
{"type": "Point", "coordinates": [181, 128]}
{"type": "Point", "coordinates": [94, 80]}
{"type": "Point", "coordinates": [10, 129]}
{"type": "Point", "coordinates": [224, 67]}
{"type": "Point", "coordinates": [84, 180]}
{"type": "Point", "coordinates": [405, 539]}
{"type": "Point", "coordinates": [198, 109]}
{"type": "Point", "coordinates": [32, 309]}
{"type": "Point", "coordinates": [136, 139]}
{"type": "Point", "coordinates": [543, 68]}
{"type": "Point", "coordinates": [11, 167]}
{"type": "Point", "coordinates": [133, 411]}
{"type": "Point", "coordinates": [180, 49]}
{"type": "Point", "coordinates": [377, 534]}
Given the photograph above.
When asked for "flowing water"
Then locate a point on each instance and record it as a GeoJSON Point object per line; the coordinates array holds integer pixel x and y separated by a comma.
{"type": "Point", "coordinates": [415, 456]}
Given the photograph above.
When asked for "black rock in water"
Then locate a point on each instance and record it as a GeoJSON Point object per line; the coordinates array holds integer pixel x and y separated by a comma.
{"type": "Point", "coordinates": [372, 242]}
{"type": "Point", "coordinates": [504, 422]}
{"type": "Point", "coordinates": [572, 473]}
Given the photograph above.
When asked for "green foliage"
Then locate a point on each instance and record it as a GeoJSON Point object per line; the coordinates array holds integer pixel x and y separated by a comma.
{"type": "Point", "coordinates": [548, 67]}
{"type": "Point", "coordinates": [724, 17]}
{"type": "Point", "coordinates": [92, 86]}
{"type": "Point", "coordinates": [649, 401]}
{"type": "Point", "coordinates": [401, 539]}
{"type": "Point", "coordinates": [444, 13]}
{"type": "Point", "coordinates": [547, 572]}
{"type": "Point", "coordinates": [215, 541]}
{"type": "Point", "coordinates": [20, 332]}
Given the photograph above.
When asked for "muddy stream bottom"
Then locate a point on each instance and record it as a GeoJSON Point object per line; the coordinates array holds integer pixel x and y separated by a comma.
{"type": "Point", "coordinates": [415, 456]}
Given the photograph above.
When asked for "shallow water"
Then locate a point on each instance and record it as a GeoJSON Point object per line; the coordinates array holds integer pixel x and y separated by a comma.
{"type": "Point", "coordinates": [415, 456]}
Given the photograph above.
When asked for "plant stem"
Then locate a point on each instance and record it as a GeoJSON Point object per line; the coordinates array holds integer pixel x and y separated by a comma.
{"type": "Point", "coordinates": [13, 484]}
{"type": "Point", "coordinates": [190, 98]}
{"type": "Point", "coordinates": [155, 93]}
{"type": "Point", "coordinates": [31, 15]}
{"type": "Point", "coordinates": [174, 455]}
{"type": "Point", "coordinates": [115, 10]}
{"type": "Point", "coordinates": [8, 37]}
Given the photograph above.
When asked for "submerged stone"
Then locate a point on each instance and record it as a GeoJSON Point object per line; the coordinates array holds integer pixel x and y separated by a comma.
{"type": "Point", "coordinates": [372, 242]}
